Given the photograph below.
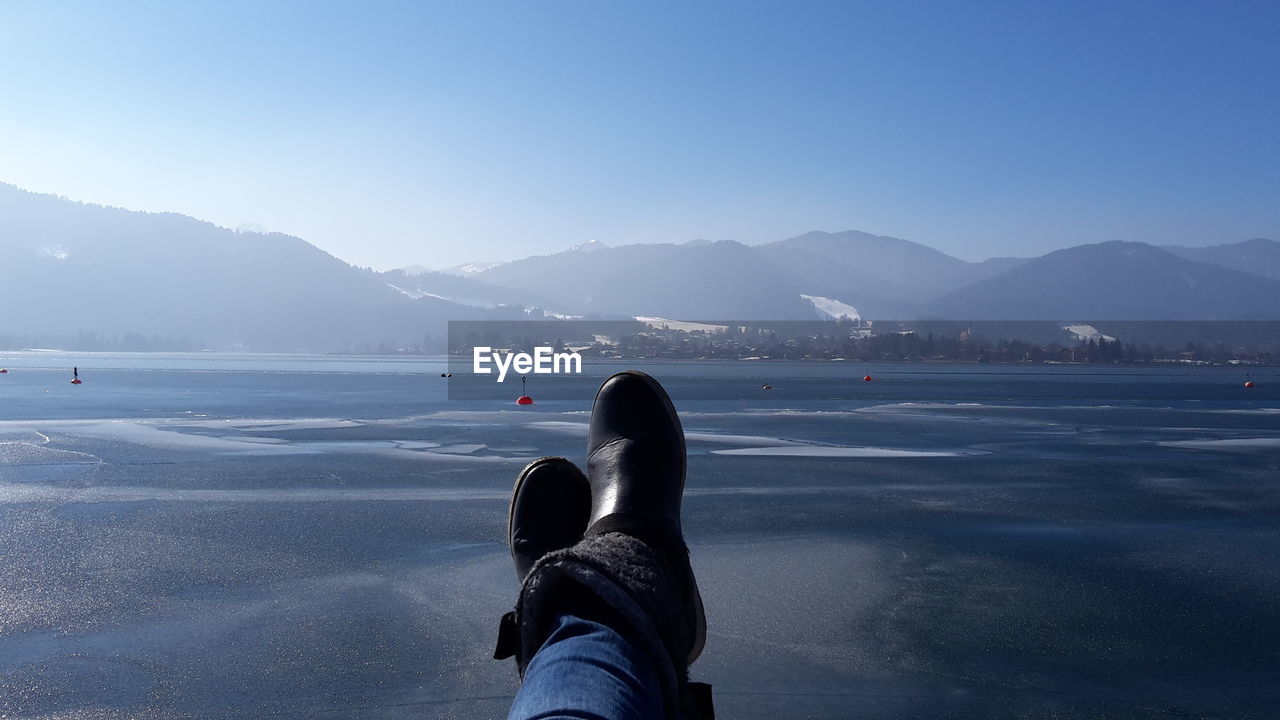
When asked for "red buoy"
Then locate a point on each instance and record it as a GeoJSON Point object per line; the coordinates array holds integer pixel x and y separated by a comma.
{"type": "Point", "coordinates": [866, 378]}
{"type": "Point", "coordinates": [1248, 383]}
{"type": "Point", "coordinates": [523, 399]}
{"type": "Point", "coordinates": [76, 381]}
{"type": "Point", "coordinates": [3, 371]}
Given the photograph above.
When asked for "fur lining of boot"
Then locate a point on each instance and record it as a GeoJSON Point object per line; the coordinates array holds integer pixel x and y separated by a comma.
{"type": "Point", "coordinates": [622, 577]}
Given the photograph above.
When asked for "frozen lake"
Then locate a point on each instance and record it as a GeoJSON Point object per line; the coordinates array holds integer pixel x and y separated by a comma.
{"type": "Point", "coordinates": [217, 536]}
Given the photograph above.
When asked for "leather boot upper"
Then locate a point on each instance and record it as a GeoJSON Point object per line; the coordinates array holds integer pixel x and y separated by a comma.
{"type": "Point", "coordinates": [635, 451]}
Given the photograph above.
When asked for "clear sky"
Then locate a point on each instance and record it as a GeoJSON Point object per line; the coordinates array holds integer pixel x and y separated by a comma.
{"type": "Point", "coordinates": [441, 132]}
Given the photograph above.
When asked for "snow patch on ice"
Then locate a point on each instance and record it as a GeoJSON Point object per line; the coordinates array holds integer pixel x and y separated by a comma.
{"type": "Point", "coordinates": [460, 449]}
{"type": "Point", "coordinates": [768, 412]}
{"type": "Point", "coordinates": [909, 406]}
{"type": "Point", "coordinates": [573, 428]}
{"type": "Point", "coordinates": [737, 439]}
{"type": "Point", "coordinates": [280, 425]}
{"type": "Point", "coordinates": [1227, 445]}
{"type": "Point", "coordinates": [559, 426]}
{"type": "Point", "coordinates": [848, 452]}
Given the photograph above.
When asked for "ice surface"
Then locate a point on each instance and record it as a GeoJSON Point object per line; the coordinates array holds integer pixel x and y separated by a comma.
{"type": "Point", "coordinates": [19, 434]}
{"type": "Point", "coordinates": [15, 453]}
{"type": "Point", "coordinates": [30, 493]}
{"type": "Point", "coordinates": [338, 549]}
{"type": "Point", "coordinates": [159, 436]}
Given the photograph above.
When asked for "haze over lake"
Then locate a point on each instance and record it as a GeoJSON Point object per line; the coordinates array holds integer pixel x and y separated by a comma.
{"type": "Point", "coordinates": [222, 536]}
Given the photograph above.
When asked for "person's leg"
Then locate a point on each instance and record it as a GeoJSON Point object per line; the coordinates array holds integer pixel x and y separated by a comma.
{"type": "Point", "coordinates": [588, 670]}
{"type": "Point", "coordinates": [619, 610]}
{"type": "Point", "coordinates": [587, 667]}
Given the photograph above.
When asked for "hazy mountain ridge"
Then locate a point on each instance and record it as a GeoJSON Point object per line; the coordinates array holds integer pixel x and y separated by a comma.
{"type": "Point", "coordinates": [906, 270]}
{"type": "Point", "coordinates": [72, 267]}
{"type": "Point", "coordinates": [1113, 280]}
{"type": "Point", "coordinates": [1258, 256]}
{"type": "Point", "coordinates": [886, 277]}
{"type": "Point", "coordinates": [887, 267]}
{"type": "Point", "coordinates": [703, 281]}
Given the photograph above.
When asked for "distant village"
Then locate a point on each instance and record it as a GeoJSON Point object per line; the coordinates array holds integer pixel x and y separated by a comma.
{"type": "Point", "coordinates": [864, 341]}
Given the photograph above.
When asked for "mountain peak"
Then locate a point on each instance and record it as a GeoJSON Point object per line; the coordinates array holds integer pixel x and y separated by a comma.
{"type": "Point", "coordinates": [588, 246]}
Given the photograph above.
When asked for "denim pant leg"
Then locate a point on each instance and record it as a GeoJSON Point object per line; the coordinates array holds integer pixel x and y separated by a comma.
{"type": "Point", "coordinates": [587, 670]}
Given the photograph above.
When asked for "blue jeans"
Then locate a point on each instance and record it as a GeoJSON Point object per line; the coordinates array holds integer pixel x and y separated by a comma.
{"type": "Point", "coordinates": [587, 671]}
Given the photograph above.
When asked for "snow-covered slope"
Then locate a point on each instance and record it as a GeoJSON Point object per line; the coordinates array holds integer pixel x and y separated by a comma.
{"type": "Point", "coordinates": [832, 309]}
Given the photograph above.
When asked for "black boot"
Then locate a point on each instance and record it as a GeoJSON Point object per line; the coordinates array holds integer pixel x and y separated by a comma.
{"type": "Point", "coordinates": [636, 466]}
{"type": "Point", "coordinates": [550, 505]}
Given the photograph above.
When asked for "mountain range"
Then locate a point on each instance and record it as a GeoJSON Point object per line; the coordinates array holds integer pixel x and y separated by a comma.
{"type": "Point", "coordinates": [885, 277]}
{"type": "Point", "coordinates": [72, 269]}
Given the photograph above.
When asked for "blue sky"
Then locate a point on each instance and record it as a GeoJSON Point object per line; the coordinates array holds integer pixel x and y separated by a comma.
{"type": "Point", "coordinates": [436, 133]}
